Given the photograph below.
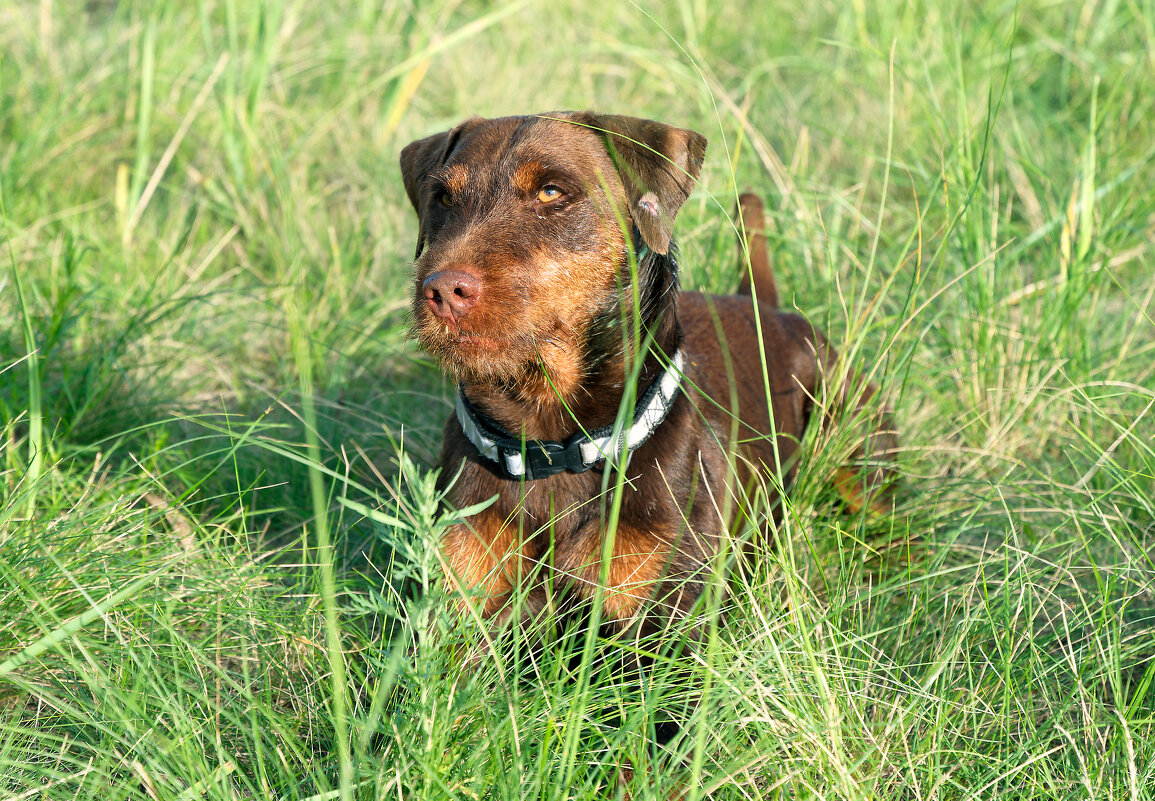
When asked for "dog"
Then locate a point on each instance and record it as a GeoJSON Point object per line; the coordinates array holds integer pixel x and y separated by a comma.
{"type": "Point", "coordinates": [546, 283]}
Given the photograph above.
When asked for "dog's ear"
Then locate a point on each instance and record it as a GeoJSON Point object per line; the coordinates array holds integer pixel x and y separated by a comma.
{"type": "Point", "coordinates": [422, 157]}
{"type": "Point", "coordinates": [658, 165]}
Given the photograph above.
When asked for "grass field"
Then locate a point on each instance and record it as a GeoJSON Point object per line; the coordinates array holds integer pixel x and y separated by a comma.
{"type": "Point", "coordinates": [217, 517]}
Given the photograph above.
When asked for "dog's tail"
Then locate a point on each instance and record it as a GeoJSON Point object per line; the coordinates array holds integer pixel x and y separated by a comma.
{"type": "Point", "coordinates": [754, 225]}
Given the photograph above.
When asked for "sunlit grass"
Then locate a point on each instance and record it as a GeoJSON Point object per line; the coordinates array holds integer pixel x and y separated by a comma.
{"type": "Point", "coordinates": [218, 521]}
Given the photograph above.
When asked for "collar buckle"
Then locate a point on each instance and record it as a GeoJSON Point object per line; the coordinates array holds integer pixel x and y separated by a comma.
{"type": "Point", "coordinates": [546, 458]}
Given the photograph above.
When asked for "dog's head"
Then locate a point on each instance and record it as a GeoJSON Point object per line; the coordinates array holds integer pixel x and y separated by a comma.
{"type": "Point", "coordinates": [525, 229]}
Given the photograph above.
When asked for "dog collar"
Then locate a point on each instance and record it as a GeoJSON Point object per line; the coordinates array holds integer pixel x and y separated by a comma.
{"type": "Point", "coordinates": [536, 458]}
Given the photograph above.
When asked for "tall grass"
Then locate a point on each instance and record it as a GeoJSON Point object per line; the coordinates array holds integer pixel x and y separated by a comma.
{"type": "Point", "coordinates": [218, 516]}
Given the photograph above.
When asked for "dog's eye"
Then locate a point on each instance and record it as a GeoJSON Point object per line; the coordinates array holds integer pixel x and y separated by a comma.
{"type": "Point", "coordinates": [548, 194]}
{"type": "Point", "coordinates": [444, 198]}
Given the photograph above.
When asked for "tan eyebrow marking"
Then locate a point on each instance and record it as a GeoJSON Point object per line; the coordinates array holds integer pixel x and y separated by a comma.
{"type": "Point", "coordinates": [455, 177]}
{"type": "Point", "coordinates": [527, 176]}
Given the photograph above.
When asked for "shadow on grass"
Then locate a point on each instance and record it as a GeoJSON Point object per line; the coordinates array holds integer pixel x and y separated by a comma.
{"type": "Point", "coordinates": [106, 408]}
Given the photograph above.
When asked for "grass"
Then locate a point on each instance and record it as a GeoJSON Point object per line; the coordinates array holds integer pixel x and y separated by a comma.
{"type": "Point", "coordinates": [217, 513]}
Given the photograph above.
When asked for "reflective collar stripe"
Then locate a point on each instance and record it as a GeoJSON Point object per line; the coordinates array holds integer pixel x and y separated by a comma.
{"type": "Point", "coordinates": [496, 445]}
{"type": "Point", "coordinates": [469, 424]}
{"type": "Point", "coordinates": [646, 420]}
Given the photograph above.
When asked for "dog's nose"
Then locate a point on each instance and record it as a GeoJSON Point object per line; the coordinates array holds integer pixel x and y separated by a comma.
{"type": "Point", "coordinates": [451, 293]}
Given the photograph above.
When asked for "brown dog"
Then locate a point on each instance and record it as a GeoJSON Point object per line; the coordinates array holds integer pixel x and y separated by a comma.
{"type": "Point", "coordinates": [529, 293]}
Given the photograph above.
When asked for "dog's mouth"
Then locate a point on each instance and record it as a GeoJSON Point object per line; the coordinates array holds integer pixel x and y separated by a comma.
{"type": "Point", "coordinates": [484, 356]}
{"type": "Point", "coordinates": [465, 353]}
{"type": "Point", "coordinates": [438, 336]}
{"type": "Point", "coordinates": [469, 341]}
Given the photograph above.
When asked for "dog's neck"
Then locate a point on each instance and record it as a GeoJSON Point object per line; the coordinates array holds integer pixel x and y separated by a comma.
{"type": "Point", "coordinates": [539, 405]}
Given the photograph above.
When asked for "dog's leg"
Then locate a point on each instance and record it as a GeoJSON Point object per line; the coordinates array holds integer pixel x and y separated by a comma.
{"type": "Point", "coordinates": [868, 481]}
{"type": "Point", "coordinates": [487, 558]}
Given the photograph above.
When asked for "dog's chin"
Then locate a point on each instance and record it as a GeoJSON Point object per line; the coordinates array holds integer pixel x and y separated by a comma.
{"type": "Point", "coordinates": [490, 369]}
{"type": "Point", "coordinates": [473, 358]}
